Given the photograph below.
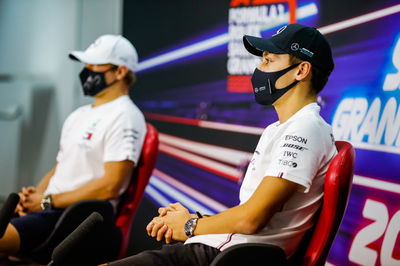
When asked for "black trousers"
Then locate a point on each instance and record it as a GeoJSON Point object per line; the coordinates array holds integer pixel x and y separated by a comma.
{"type": "Point", "coordinates": [35, 228]}
{"type": "Point", "coordinates": [172, 255]}
{"type": "Point", "coordinates": [40, 232]}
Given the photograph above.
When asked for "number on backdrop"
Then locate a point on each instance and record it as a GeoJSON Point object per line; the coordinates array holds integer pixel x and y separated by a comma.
{"type": "Point", "coordinates": [384, 226]}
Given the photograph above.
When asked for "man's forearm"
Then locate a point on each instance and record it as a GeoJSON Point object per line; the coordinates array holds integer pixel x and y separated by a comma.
{"type": "Point", "coordinates": [103, 188]}
{"type": "Point", "coordinates": [42, 186]}
{"type": "Point", "coordinates": [239, 219]}
{"type": "Point", "coordinates": [254, 214]}
{"type": "Point", "coordinates": [96, 189]}
{"type": "Point", "coordinates": [234, 220]}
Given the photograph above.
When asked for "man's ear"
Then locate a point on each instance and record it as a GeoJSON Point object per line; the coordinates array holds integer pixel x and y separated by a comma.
{"type": "Point", "coordinates": [121, 72]}
{"type": "Point", "coordinates": [304, 71]}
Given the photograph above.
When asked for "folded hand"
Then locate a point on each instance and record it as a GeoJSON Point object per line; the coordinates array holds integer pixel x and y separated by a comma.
{"type": "Point", "coordinates": [169, 224]}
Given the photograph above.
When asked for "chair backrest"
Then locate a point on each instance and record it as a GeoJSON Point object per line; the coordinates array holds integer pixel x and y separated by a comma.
{"type": "Point", "coordinates": [337, 188]}
{"type": "Point", "coordinates": [140, 178]}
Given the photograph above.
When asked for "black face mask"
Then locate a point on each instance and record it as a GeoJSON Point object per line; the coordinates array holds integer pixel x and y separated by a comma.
{"type": "Point", "coordinates": [264, 88]}
{"type": "Point", "coordinates": [93, 82]}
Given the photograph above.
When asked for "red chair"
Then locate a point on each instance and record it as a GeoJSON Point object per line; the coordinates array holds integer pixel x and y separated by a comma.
{"type": "Point", "coordinates": [130, 200]}
{"type": "Point", "coordinates": [339, 179]}
{"type": "Point", "coordinates": [315, 246]}
{"type": "Point", "coordinates": [113, 240]}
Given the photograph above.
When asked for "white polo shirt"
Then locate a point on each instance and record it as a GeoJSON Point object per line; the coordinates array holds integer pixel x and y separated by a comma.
{"type": "Point", "coordinates": [91, 136]}
{"type": "Point", "coordinates": [298, 150]}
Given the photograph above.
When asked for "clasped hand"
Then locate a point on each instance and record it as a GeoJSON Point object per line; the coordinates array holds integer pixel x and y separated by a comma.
{"type": "Point", "coordinates": [169, 224]}
{"type": "Point", "coordinates": [29, 201]}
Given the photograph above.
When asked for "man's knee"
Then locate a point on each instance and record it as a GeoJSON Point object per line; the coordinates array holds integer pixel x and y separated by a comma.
{"type": "Point", "coordinates": [10, 242]}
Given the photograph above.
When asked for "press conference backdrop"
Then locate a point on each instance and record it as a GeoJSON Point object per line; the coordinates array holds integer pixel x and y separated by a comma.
{"type": "Point", "coordinates": [194, 86]}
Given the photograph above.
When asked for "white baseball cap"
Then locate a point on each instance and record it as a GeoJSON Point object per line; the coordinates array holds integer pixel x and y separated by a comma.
{"type": "Point", "coordinates": [109, 49]}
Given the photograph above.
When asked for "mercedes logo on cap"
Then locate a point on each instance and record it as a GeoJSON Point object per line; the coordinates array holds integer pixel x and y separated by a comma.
{"type": "Point", "coordinates": [295, 46]}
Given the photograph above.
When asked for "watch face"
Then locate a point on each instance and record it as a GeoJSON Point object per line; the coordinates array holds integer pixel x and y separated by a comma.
{"type": "Point", "coordinates": [46, 203]}
{"type": "Point", "coordinates": [187, 228]}
{"type": "Point", "coordinates": [190, 226]}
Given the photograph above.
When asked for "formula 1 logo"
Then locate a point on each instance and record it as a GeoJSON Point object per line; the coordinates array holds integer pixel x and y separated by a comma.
{"type": "Point", "coordinates": [252, 17]}
{"type": "Point", "coordinates": [291, 4]}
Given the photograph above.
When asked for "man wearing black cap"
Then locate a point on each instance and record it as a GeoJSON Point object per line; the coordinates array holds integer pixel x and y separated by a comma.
{"type": "Point", "coordinates": [284, 182]}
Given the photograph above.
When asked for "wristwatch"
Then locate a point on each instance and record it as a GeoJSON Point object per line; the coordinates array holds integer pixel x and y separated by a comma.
{"type": "Point", "coordinates": [190, 225]}
{"type": "Point", "coordinates": [46, 203]}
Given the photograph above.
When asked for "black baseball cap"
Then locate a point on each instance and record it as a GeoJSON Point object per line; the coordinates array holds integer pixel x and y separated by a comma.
{"type": "Point", "coordinates": [306, 43]}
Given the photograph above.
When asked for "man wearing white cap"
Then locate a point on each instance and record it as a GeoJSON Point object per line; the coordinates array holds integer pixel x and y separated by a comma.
{"type": "Point", "coordinates": [99, 146]}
